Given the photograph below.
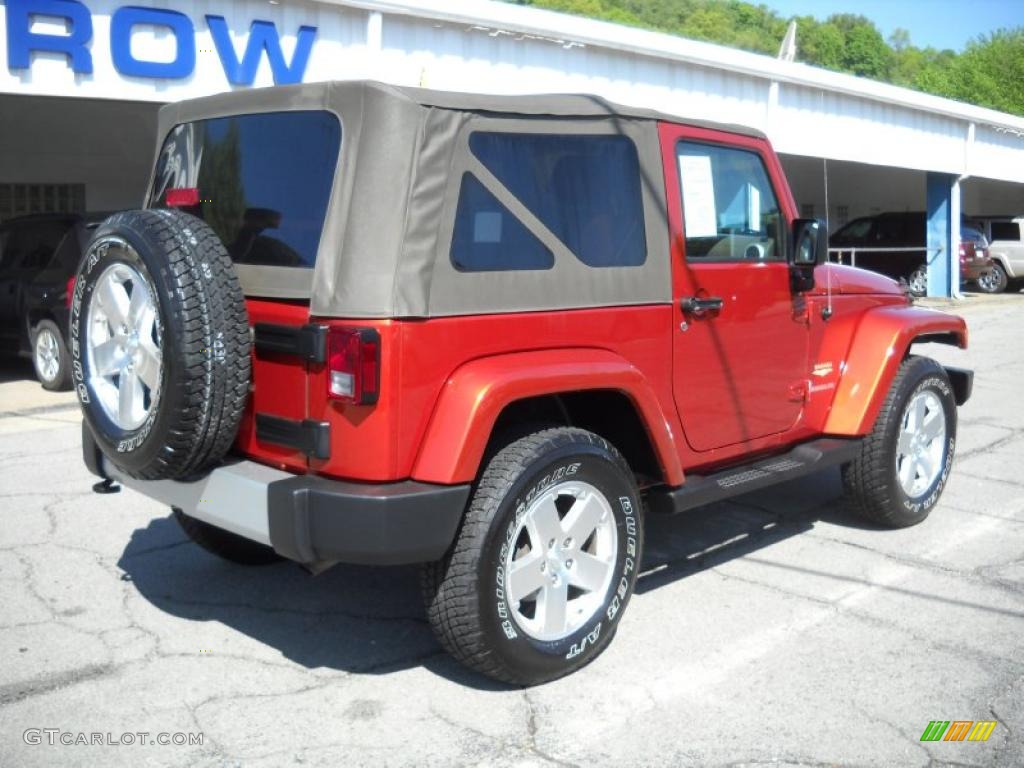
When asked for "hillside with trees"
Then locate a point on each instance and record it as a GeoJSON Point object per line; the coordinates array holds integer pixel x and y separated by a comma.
{"type": "Point", "coordinates": [989, 72]}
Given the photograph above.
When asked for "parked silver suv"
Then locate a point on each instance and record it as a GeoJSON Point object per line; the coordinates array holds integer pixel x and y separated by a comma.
{"type": "Point", "coordinates": [1006, 247]}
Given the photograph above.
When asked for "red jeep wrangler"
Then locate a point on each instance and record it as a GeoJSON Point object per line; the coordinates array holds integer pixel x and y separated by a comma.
{"type": "Point", "coordinates": [366, 324]}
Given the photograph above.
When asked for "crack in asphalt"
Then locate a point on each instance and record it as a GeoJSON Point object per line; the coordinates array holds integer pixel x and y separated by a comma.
{"type": "Point", "coordinates": [531, 734]}
{"type": "Point", "coordinates": [42, 409]}
{"type": "Point", "coordinates": [1015, 433]}
{"type": "Point", "coordinates": [838, 606]}
{"type": "Point", "coordinates": [313, 612]}
{"type": "Point", "coordinates": [12, 693]}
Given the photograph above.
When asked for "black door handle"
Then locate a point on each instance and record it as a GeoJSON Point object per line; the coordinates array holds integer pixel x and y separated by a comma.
{"type": "Point", "coordinates": [698, 307]}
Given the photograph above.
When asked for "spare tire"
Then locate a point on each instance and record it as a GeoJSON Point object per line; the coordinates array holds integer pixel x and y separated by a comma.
{"type": "Point", "coordinates": [160, 344]}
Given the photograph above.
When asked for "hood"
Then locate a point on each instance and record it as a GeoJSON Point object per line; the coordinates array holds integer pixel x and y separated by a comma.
{"type": "Point", "coordinates": [851, 281]}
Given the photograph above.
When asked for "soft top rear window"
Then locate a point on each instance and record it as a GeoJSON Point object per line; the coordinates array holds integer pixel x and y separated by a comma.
{"type": "Point", "coordinates": [261, 181]}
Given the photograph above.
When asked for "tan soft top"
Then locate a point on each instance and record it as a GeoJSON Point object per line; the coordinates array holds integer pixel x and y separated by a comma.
{"type": "Point", "coordinates": [384, 251]}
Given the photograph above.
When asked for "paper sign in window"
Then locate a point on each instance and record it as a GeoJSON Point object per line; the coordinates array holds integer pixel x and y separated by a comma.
{"type": "Point", "coordinates": [698, 196]}
{"type": "Point", "coordinates": [487, 227]}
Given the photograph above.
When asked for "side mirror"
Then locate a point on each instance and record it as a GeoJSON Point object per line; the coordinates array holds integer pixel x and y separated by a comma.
{"type": "Point", "coordinates": [810, 243]}
{"type": "Point", "coordinates": [808, 249]}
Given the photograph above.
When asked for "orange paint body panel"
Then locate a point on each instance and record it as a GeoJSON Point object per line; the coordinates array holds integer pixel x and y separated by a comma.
{"type": "Point", "coordinates": [421, 362]}
{"type": "Point", "coordinates": [278, 389]}
{"type": "Point", "coordinates": [476, 394]}
{"type": "Point", "coordinates": [876, 349]}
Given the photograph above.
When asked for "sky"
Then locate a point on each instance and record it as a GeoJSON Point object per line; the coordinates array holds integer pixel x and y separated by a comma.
{"type": "Point", "coordinates": [938, 23]}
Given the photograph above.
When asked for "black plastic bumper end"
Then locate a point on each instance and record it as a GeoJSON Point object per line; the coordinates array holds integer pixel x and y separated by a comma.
{"type": "Point", "coordinates": [315, 520]}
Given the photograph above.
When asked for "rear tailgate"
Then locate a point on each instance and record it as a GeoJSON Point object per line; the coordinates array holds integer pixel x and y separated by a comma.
{"type": "Point", "coordinates": [263, 183]}
{"type": "Point", "coordinates": [278, 390]}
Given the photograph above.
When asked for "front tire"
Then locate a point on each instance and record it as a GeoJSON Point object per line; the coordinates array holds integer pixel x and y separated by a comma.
{"type": "Point", "coordinates": [994, 281]}
{"type": "Point", "coordinates": [50, 357]}
{"type": "Point", "coordinates": [545, 561]}
{"type": "Point", "coordinates": [905, 461]}
{"type": "Point", "coordinates": [917, 282]}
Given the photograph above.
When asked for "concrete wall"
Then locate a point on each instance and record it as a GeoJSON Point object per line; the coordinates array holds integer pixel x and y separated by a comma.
{"type": "Point", "coordinates": [106, 145]}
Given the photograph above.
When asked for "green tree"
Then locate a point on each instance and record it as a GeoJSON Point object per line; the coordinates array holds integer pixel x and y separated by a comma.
{"type": "Point", "coordinates": [989, 72]}
{"type": "Point", "coordinates": [819, 44]}
{"type": "Point", "coordinates": [865, 53]}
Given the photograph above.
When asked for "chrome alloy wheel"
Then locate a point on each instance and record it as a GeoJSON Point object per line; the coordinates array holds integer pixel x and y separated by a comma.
{"type": "Point", "coordinates": [47, 352]}
{"type": "Point", "coordinates": [562, 560]}
{"type": "Point", "coordinates": [922, 443]}
{"type": "Point", "coordinates": [124, 363]}
{"type": "Point", "coordinates": [918, 282]}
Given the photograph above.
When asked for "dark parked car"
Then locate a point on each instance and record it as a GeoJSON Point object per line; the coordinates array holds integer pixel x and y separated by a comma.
{"type": "Point", "coordinates": [906, 234]}
{"type": "Point", "coordinates": [38, 257]}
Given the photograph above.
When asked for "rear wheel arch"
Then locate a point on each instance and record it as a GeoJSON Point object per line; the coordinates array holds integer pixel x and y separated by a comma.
{"type": "Point", "coordinates": [605, 412]}
{"type": "Point", "coordinates": [485, 399]}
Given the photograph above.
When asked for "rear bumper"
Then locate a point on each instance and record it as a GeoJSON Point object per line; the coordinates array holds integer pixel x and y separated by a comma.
{"type": "Point", "coordinates": [309, 519]}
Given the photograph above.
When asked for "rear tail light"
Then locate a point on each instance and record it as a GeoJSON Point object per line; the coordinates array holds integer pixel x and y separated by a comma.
{"type": "Point", "coordinates": [182, 197]}
{"type": "Point", "coordinates": [353, 362]}
{"type": "Point", "coordinates": [70, 295]}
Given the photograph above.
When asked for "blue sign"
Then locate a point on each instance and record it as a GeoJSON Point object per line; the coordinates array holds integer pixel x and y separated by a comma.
{"type": "Point", "coordinates": [263, 38]}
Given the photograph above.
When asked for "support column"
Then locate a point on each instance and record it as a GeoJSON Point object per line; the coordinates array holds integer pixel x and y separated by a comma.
{"type": "Point", "coordinates": [374, 46]}
{"type": "Point", "coordinates": [943, 257]}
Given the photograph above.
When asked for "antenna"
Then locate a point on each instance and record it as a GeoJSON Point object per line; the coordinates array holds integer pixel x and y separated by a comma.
{"type": "Point", "coordinates": [826, 313]}
{"type": "Point", "coordinates": [787, 51]}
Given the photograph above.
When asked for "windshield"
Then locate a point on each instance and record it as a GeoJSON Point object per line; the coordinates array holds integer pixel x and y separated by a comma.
{"type": "Point", "coordinates": [262, 182]}
{"type": "Point", "coordinates": [973, 235]}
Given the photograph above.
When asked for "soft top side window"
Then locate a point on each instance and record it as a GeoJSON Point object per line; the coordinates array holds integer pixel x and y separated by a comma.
{"type": "Point", "coordinates": [585, 188]}
{"type": "Point", "coordinates": [489, 238]}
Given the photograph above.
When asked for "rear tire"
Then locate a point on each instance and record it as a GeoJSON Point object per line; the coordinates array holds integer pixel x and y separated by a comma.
{"type": "Point", "coordinates": [905, 461]}
{"type": "Point", "coordinates": [224, 544]}
{"type": "Point", "coordinates": [50, 357]}
{"type": "Point", "coordinates": [994, 281]}
{"type": "Point", "coordinates": [545, 560]}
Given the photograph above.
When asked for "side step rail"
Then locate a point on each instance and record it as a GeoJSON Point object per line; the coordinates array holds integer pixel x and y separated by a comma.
{"type": "Point", "coordinates": [802, 460]}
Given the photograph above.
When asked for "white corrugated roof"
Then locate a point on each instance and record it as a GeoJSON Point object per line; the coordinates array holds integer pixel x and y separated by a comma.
{"type": "Point", "coordinates": [573, 29]}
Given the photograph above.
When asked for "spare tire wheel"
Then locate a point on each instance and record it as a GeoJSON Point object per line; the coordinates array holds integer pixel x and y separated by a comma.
{"type": "Point", "coordinates": [160, 343]}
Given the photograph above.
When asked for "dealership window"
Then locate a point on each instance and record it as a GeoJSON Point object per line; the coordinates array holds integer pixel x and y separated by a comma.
{"type": "Point", "coordinates": [488, 237]}
{"type": "Point", "coordinates": [22, 199]}
{"type": "Point", "coordinates": [1006, 230]}
{"type": "Point", "coordinates": [262, 182]}
{"type": "Point", "coordinates": [584, 188]}
{"type": "Point", "coordinates": [730, 211]}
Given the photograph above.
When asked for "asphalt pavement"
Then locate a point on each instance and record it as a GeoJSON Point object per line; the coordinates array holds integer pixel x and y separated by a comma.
{"type": "Point", "coordinates": [773, 630]}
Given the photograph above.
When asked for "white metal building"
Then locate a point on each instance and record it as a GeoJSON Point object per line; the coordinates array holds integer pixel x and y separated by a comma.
{"type": "Point", "coordinates": [80, 81]}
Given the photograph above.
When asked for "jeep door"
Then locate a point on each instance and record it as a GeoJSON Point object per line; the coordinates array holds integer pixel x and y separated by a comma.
{"type": "Point", "coordinates": [740, 337]}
